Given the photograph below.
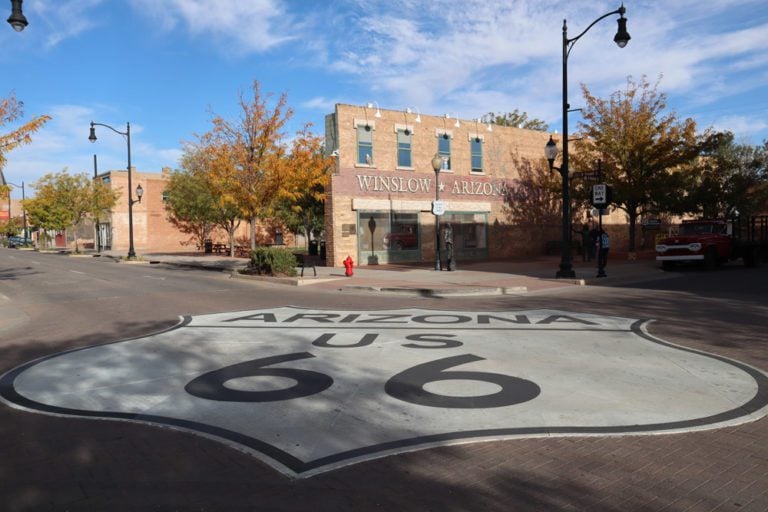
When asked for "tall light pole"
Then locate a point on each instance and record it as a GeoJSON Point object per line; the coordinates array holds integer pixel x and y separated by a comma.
{"type": "Point", "coordinates": [437, 209]}
{"type": "Point", "coordinates": [17, 19]}
{"type": "Point", "coordinates": [621, 39]}
{"type": "Point", "coordinates": [139, 191]}
{"type": "Point", "coordinates": [23, 210]}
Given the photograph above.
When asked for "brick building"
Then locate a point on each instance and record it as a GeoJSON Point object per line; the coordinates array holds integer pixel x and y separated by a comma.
{"type": "Point", "coordinates": [379, 202]}
{"type": "Point", "coordinates": [152, 231]}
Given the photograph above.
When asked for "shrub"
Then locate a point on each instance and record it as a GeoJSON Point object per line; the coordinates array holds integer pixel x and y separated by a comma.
{"type": "Point", "coordinates": [274, 261]}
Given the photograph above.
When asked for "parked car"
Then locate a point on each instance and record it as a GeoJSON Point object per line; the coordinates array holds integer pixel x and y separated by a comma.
{"type": "Point", "coordinates": [16, 241]}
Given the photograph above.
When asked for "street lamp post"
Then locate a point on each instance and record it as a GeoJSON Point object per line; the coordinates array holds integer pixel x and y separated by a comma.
{"type": "Point", "coordinates": [139, 190]}
{"type": "Point", "coordinates": [23, 210]}
{"type": "Point", "coordinates": [17, 19]}
{"type": "Point", "coordinates": [621, 39]}
{"type": "Point", "coordinates": [437, 164]}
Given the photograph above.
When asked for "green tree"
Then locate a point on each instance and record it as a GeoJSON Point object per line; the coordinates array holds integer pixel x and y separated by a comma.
{"type": "Point", "coordinates": [517, 119]}
{"type": "Point", "coordinates": [190, 204]}
{"type": "Point", "coordinates": [728, 177]}
{"type": "Point", "coordinates": [641, 146]}
{"type": "Point", "coordinates": [62, 200]}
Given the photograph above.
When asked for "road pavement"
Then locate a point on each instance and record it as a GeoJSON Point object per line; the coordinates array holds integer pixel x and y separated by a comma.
{"type": "Point", "coordinates": [495, 387]}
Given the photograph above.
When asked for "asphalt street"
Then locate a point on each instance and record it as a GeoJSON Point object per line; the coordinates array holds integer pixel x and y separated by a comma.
{"type": "Point", "coordinates": [62, 460]}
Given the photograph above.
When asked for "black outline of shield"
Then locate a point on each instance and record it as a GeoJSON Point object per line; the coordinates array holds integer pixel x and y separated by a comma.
{"type": "Point", "coordinates": [282, 460]}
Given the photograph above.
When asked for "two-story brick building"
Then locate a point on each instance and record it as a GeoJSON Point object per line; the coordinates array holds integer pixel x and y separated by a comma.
{"type": "Point", "coordinates": [379, 202]}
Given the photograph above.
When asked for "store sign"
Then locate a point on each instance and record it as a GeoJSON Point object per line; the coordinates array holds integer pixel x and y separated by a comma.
{"type": "Point", "coordinates": [416, 185]}
{"type": "Point", "coordinates": [311, 390]}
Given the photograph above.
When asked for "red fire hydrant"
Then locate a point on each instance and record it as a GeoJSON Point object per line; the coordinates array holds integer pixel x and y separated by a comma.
{"type": "Point", "coordinates": [349, 265]}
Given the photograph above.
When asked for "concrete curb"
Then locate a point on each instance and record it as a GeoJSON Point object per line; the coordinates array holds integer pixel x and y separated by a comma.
{"type": "Point", "coordinates": [438, 292]}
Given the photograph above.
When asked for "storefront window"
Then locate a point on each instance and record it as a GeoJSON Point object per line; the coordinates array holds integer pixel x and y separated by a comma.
{"type": "Point", "coordinates": [385, 236]}
{"type": "Point", "coordinates": [470, 233]}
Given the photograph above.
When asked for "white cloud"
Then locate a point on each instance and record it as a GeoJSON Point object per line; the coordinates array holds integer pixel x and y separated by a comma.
{"type": "Point", "coordinates": [63, 143]}
{"type": "Point", "coordinates": [64, 19]}
{"type": "Point", "coordinates": [252, 26]}
{"type": "Point", "coordinates": [475, 56]}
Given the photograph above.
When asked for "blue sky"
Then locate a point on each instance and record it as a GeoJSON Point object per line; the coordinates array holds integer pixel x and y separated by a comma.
{"type": "Point", "coordinates": [166, 65]}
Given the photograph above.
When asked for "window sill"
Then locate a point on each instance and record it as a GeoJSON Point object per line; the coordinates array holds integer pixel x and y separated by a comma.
{"type": "Point", "coordinates": [366, 166]}
{"type": "Point", "coordinates": [405, 168]}
{"type": "Point", "coordinates": [477, 173]}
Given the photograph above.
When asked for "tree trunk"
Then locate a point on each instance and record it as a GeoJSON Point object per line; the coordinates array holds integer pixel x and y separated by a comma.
{"type": "Point", "coordinates": [632, 214]}
{"type": "Point", "coordinates": [231, 232]}
{"type": "Point", "coordinates": [253, 233]}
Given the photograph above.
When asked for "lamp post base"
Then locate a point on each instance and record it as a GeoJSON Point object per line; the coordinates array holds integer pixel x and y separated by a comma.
{"type": "Point", "coordinates": [565, 272]}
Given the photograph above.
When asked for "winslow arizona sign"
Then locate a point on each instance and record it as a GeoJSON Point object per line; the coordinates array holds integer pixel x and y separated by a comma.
{"type": "Point", "coordinates": [308, 391]}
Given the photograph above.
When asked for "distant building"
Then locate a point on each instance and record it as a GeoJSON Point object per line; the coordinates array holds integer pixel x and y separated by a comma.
{"type": "Point", "coordinates": [152, 231]}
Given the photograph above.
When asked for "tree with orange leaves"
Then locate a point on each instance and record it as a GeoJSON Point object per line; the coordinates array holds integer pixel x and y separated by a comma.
{"type": "Point", "coordinates": [253, 155]}
{"type": "Point", "coordinates": [308, 172]}
{"type": "Point", "coordinates": [12, 109]}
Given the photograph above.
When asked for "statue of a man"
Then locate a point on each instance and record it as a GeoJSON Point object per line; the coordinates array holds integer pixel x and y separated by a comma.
{"type": "Point", "coordinates": [448, 241]}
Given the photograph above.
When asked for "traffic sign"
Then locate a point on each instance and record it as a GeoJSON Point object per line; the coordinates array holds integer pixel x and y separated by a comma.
{"type": "Point", "coordinates": [438, 207]}
{"type": "Point", "coordinates": [600, 193]}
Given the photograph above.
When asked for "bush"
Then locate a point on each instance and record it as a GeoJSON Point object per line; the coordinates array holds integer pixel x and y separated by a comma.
{"type": "Point", "coordinates": [274, 261]}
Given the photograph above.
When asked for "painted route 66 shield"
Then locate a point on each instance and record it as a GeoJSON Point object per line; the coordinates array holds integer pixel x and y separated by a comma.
{"type": "Point", "coordinates": [311, 390]}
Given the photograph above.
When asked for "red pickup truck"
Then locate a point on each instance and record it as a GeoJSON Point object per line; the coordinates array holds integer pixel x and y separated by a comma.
{"type": "Point", "coordinates": [713, 242]}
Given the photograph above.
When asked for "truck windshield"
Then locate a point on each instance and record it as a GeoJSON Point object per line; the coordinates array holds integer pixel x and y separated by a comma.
{"type": "Point", "coordinates": [701, 229]}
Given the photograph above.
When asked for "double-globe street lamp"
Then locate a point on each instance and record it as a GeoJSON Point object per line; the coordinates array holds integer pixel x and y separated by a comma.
{"type": "Point", "coordinates": [621, 39]}
{"type": "Point", "coordinates": [23, 209]}
{"type": "Point", "coordinates": [17, 19]}
{"type": "Point", "coordinates": [139, 190]}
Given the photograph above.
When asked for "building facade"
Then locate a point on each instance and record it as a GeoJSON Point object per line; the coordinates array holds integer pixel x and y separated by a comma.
{"type": "Point", "coordinates": [379, 202]}
{"type": "Point", "coordinates": [152, 229]}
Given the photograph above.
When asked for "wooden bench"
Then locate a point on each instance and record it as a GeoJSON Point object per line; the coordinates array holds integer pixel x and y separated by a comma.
{"type": "Point", "coordinates": [306, 260]}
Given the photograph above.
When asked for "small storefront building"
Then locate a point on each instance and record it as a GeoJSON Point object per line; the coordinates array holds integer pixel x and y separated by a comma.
{"type": "Point", "coordinates": [379, 205]}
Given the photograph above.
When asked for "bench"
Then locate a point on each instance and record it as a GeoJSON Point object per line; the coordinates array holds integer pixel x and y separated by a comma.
{"type": "Point", "coordinates": [306, 260]}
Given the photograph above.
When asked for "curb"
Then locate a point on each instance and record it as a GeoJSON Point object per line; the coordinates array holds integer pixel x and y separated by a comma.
{"type": "Point", "coordinates": [438, 292]}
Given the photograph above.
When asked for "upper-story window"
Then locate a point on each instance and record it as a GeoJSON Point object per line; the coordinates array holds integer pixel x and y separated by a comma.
{"type": "Point", "coordinates": [476, 145]}
{"type": "Point", "coordinates": [404, 138]}
{"type": "Point", "coordinates": [444, 150]}
{"type": "Point", "coordinates": [365, 144]}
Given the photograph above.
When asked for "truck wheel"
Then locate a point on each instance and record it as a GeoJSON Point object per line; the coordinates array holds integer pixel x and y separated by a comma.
{"type": "Point", "coordinates": [710, 259]}
{"type": "Point", "coordinates": [668, 265]}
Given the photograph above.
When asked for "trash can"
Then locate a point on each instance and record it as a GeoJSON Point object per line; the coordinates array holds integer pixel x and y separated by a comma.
{"type": "Point", "coordinates": [313, 246]}
{"type": "Point", "coordinates": [322, 250]}
{"type": "Point", "coordinates": [208, 245]}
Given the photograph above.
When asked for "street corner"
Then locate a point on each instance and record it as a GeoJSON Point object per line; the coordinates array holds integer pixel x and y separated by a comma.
{"type": "Point", "coordinates": [311, 390]}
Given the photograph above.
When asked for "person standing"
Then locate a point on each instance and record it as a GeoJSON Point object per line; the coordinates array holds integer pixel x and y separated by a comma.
{"type": "Point", "coordinates": [604, 245]}
{"type": "Point", "coordinates": [587, 244]}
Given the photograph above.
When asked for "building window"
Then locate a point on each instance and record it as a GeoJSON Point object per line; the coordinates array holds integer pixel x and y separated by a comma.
{"type": "Point", "coordinates": [365, 144]}
{"type": "Point", "coordinates": [404, 148]}
{"type": "Point", "coordinates": [165, 196]}
{"type": "Point", "coordinates": [477, 154]}
{"type": "Point", "coordinates": [444, 150]}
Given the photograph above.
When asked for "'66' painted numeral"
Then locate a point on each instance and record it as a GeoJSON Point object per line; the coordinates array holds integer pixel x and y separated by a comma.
{"type": "Point", "coordinates": [211, 385]}
{"type": "Point", "coordinates": [408, 385]}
